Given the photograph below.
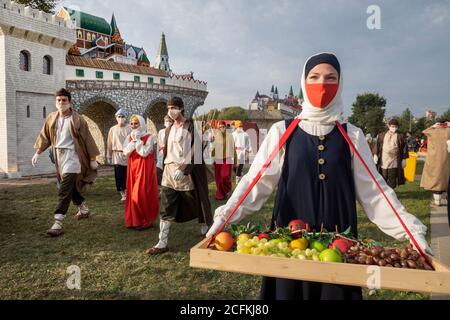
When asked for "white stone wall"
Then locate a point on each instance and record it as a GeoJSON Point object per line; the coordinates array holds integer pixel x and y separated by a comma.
{"type": "Point", "coordinates": [41, 34]}
{"type": "Point", "coordinates": [192, 84]}
{"type": "Point", "coordinates": [28, 129]}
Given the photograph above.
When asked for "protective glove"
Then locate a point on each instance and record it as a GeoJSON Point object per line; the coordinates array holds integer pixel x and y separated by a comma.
{"type": "Point", "coordinates": [375, 159]}
{"type": "Point", "coordinates": [403, 163]}
{"type": "Point", "coordinates": [35, 159]}
{"type": "Point", "coordinates": [215, 227]}
{"type": "Point", "coordinates": [133, 136]}
{"type": "Point", "coordinates": [178, 175]}
{"type": "Point", "coordinates": [94, 165]}
{"type": "Point", "coordinates": [422, 242]}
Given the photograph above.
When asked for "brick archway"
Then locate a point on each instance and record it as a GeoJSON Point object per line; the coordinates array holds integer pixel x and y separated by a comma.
{"type": "Point", "coordinates": [100, 118]}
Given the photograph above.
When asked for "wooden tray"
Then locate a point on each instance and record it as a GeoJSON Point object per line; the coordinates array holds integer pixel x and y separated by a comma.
{"type": "Point", "coordinates": [437, 281]}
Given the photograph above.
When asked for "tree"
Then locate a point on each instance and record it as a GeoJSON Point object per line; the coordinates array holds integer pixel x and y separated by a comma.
{"type": "Point", "coordinates": [230, 113]}
{"type": "Point", "coordinates": [368, 113]}
{"type": "Point", "coordinates": [44, 5]}
{"type": "Point", "coordinates": [422, 124]}
{"type": "Point", "coordinates": [445, 116]}
{"type": "Point", "coordinates": [233, 113]}
{"type": "Point", "coordinates": [406, 121]}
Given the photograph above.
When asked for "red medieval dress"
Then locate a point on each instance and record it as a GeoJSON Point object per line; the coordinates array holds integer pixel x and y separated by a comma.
{"type": "Point", "coordinates": [142, 204]}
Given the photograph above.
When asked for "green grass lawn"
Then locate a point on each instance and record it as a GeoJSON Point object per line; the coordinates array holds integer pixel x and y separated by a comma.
{"type": "Point", "coordinates": [111, 257]}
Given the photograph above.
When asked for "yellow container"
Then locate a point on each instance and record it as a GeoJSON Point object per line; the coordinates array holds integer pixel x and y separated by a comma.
{"type": "Point", "coordinates": [410, 169]}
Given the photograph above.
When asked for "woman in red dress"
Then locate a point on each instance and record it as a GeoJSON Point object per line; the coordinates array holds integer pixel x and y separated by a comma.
{"type": "Point", "coordinates": [142, 206]}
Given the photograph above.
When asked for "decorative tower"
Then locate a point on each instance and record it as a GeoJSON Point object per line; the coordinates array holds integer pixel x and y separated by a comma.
{"type": "Point", "coordinates": [275, 95]}
{"type": "Point", "coordinates": [162, 58]}
{"type": "Point", "coordinates": [291, 92]}
{"type": "Point", "coordinates": [300, 96]}
{"type": "Point", "coordinates": [116, 37]}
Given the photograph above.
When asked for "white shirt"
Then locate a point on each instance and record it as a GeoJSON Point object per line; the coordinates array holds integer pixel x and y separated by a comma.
{"type": "Point", "coordinates": [241, 145]}
{"type": "Point", "coordinates": [160, 154]}
{"type": "Point", "coordinates": [374, 204]}
{"type": "Point", "coordinates": [66, 155]}
{"type": "Point", "coordinates": [116, 138]}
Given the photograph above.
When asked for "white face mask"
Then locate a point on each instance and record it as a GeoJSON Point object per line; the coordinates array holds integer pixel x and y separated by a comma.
{"type": "Point", "coordinates": [174, 114]}
{"type": "Point", "coordinates": [167, 124]}
{"type": "Point", "coordinates": [63, 107]}
{"type": "Point", "coordinates": [393, 129]}
{"type": "Point", "coordinates": [121, 121]}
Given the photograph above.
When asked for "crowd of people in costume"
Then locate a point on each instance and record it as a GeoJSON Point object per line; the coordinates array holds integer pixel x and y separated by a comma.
{"type": "Point", "coordinates": [317, 176]}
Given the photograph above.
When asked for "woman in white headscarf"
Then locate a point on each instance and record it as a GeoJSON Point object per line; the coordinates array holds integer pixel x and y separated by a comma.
{"type": "Point", "coordinates": [332, 179]}
{"type": "Point", "coordinates": [142, 204]}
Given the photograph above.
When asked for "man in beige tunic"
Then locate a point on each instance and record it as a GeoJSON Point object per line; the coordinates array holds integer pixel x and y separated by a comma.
{"type": "Point", "coordinates": [114, 151]}
{"type": "Point", "coordinates": [436, 171]}
{"type": "Point", "coordinates": [75, 157]}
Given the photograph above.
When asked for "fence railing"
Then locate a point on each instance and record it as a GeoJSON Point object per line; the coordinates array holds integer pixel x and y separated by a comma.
{"type": "Point", "coordinates": [111, 84]}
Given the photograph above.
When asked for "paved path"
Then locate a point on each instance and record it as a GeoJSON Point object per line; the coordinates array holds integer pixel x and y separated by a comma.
{"type": "Point", "coordinates": [440, 239]}
{"type": "Point", "coordinates": [44, 179]}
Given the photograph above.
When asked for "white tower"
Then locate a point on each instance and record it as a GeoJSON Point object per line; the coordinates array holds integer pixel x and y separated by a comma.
{"type": "Point", "coordinates": [162, 58]}
{"type": "Point", "coordinates": [33, 47]}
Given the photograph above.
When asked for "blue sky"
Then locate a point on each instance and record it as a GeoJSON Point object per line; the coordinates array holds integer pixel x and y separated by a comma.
{"type": "Point", "coordinates": [241, 46]}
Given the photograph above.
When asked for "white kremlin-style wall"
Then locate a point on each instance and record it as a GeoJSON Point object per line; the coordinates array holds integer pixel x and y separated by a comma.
{"type": "Point", "coordinates": [108, 75]}
{"type": "Point", "coordinates": [26, 97]}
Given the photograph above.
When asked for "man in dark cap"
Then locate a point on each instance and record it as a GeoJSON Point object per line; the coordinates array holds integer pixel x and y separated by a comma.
{"type": "Point", "coordinates": [390, 154]}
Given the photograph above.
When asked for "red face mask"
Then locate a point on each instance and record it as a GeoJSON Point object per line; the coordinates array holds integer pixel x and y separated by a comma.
{"type": "Point", "coordinates": [321, 94]}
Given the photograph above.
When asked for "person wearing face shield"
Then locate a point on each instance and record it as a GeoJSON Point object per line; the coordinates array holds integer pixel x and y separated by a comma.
{"type": "Point", "coordinates": [318, 179]}
{"type": "Point", "coordinates": [75, 153]}
{"type": "Point", "coordinates": [184, 184]}
{"type": "Point", "coordinates": [142, 204]}
{"type": "Point", "coordinates": [114, 151]}
{"type": "Point", "coordinates": [168, 121]}
{"type": "Point", "coordinates": [390, 154]}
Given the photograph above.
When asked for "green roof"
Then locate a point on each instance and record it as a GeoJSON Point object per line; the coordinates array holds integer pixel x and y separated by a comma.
{"type": "Point", "coordinates": [113, 24]}
{"type": "Point", "coordinates": [89, 22]}
{"type": "Point", "coordinates": [144, 58]}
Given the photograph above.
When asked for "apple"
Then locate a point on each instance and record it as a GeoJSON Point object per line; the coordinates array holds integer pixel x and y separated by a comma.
{"type": "Point", "coordinates": [296, 224]}
{"type": "Point", "coordinates": [223, 241]}
{"type": "Point", "coordinates": [341, 245]}
{"type": "Point", "coordinates": [264, 236]}
{"type": "Point", "coordinates": [330, 255]}
{"type": "Point", "coordinates": [316, 244]}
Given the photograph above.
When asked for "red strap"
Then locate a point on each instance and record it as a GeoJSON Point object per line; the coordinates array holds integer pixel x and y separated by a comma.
{"type": "Point", "coordinates": [282, 141]}
{"type": "Point", "coordinates": [352, 146]}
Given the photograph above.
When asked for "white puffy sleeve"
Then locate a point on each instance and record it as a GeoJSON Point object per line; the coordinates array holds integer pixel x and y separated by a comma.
{"type": "Point", "coordinates": [128, 146]}
{"type": "Point", "coordinates": [373, 202]}
{"type": "Point", "coordinates": [266, 184]}
{"type": "Point", "coordinates": [145, 149]}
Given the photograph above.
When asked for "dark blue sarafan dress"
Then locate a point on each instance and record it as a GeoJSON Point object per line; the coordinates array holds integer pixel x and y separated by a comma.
{"type": "Point", "coordinates": [316, 186]}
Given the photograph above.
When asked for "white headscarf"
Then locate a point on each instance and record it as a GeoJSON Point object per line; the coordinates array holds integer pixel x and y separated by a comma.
{"type": "Point", "coordinates": [326, 115]}
{"type": "Point", "coordinates": [142, 124]}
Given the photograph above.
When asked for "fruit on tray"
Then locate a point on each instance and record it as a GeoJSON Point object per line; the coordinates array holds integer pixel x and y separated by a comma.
{"type": "Point", "coordinates": [224, 241]}
{"type": "Point", "coordinates": [405, 257]}
{"type": "Point", "coordinates": [296, 242]}
{"type": "Point", "coordinates": [330, 255]}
